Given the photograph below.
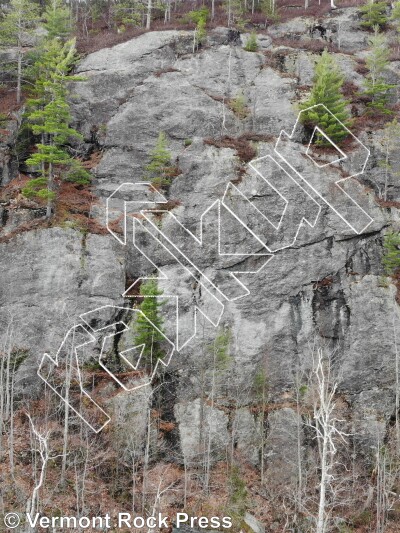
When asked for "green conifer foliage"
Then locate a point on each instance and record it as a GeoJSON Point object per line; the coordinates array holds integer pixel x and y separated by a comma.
{"type": "Point", "coordinates": [252, 43]}
{"type": "Point", "coordinates": [201, 32]}
{"type": "Point", "coordinates": [222, 357]}
{"type": "Point", "coordinates": [159, 168]}
{"type": "Point", "coordinates": [145, 333]}
{"type": "Point", "coordinates": [328, 81]}
{"type": "Point", "coordinates": [58, 20]}
{"type": "Point", "coordinates": [391, 258]}
{"type": "Point", "coordinates": [373, 14]}
{"type": "Point", "coordinates": [377, 62]}
{"type": "Point", "coordinates": [127, 13]}
{"type": "Point", "coordinates": [49, 118]}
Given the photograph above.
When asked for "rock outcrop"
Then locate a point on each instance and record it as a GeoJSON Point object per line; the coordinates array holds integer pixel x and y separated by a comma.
{"type": "Point", "coordinates": [325, 289]}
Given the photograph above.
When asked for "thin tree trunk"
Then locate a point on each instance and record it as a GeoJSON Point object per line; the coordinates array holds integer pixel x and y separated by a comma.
{"type": "Point", "coordinates": [66, 413]}
{"type": "Point", "coordinates": [133, 482]}
{"type": "Point", "coordinates": [386, 171]}
{"type": "Point", "coordinates": [397, 378]}
{"type": "Point", "coordinates": [19, 74]}
{"type": "Point", "coordinates": [322, 492]}
{"type": "Point", "coordinates": [148, 16]}
{"type": "Point", "coordinates": [208, 456]}
{"type": "Point", "coordinates": [43, 450]}
{"type": "Point", "coordinates": [11, 439]}
{"type": "Point", "coordinates": [146, 462]}
{"type": "Point", "coordinates": [185, 483]}
{"type": "Point", "coordinates": [299, 455]}
{"type": "Point", "coordinates": [50, 188]}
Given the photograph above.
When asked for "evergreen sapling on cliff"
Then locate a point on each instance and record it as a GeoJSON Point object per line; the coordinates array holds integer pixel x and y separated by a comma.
{"type": "Point", "coordinates": [326, 90]}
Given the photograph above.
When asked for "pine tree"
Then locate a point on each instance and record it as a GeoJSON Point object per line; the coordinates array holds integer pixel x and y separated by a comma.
{"type": "Point", "coordinates": [158, 170]}
{"type": "Point", "coordinates": [49, 117]}
{"type": "Point", "coordinates": [20, 21]}
{"type": "Point", "coordinates": [145, 333]}
{"type": "Point", "coordinates": [391, 258]}
{"type": "Point", "coordinates": [373, 14]}
{"type": "Point", "coordinates": [127, 13]}
{"type": "Point", "coordinates": [201, 32]}
{"type": "Point", "coordinates": [220, 350]}
{"type": "Point", "coordinates": [58, 20]}
{"type": "Point", "coordinates": [200, 17]}
{"type": "Point", "coordinates": [197, 15]}
{"type": "Point", "coordinates": [377, 62]}
{"type": "Point", "coordinates": [252, 43]}
{"type": "Point", "coordinates": [328, 81]}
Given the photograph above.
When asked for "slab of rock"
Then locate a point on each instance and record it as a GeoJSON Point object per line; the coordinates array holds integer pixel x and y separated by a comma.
{"type": "Point", "coordinates": [247, 435]}
{"type": "Point", "coordinates": [195, 443]}
{"type": "Point", "coordinates": [284, 446]}
{"type": "Point", "coordinates": [56, 274]}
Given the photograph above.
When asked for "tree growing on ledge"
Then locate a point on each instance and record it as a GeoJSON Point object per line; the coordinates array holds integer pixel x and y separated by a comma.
{"type": "Point", "coordinates": [377, 63]}
{"type": "Point", "coordinates": [391, 257]}
{"type": "Point", "coordinates": [49, 118]}
{"type": "Point", "coordinates": [145, 333]}
{"type": "Point", "coordinates": [326, 90]}
{"type": "Point", "coordinates": [159, 168]}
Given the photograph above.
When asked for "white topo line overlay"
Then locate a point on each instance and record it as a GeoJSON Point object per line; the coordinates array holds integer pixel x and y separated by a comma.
{"type": "Point", "coordinates": [356, 216]}
{"type": "Point", "coordinates": [144, 199]}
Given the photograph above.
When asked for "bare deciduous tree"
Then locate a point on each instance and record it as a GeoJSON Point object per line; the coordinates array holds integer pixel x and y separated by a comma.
{"type": "Point", "coordinates": [327, 430]}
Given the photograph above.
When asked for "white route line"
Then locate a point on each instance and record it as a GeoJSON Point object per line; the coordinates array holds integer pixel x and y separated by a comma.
{"type": "Point", "coordinates": [57, 363]}
{"type": "Point", "coordinates": [344, 158]}
{"type": "Point", "coordinates": [147, 194]}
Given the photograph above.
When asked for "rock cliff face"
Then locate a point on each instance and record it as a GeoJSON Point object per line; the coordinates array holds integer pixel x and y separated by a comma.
{"type": "Point", "coordinates": [326, 289]}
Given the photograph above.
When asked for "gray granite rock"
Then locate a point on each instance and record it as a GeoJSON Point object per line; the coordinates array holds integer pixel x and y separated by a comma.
{"type": "Point", "coordinates": [60, 273]}
{"type": "Point", "coordinates": [200, 430]}
{"type": "Point", "coordinates": [284, 447]}
{"type": "Point", "coordinates": [322, 289]}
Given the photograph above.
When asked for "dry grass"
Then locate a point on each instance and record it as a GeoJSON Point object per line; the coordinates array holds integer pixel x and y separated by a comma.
{"type": "Point", "coordinates": [72, 207]}
{"type": "Point", "coordinates": [311, 45]}
{"type": "Point", "coordinates": [244, 148]}
{"type": "Point", "coordinates": [245, 151]}
{"type": "Point", "coordinates": [349, 89]}
{"type": "Point", "coordinates": [387, 203]}
{"type": "Point", "coordinates": [289, 9]}
{"type": "Point", "coordinates": [162, 71]}
{"type": "Point", "coordinates": [361, 67]}
{"type": "Point", "coordinates": [242, 145]}
{"type": "Point", "coordinates": [103, 35]}
{"type": "Point", "coordinates": [8, 101]}
{"type": "Point", "coordinates": [371, 120]}
{"type": "Point", "coordinates": [23, 228]}
{"type": "Point", "coordinates": [109, 480]}
{"type": "Point", "coordinates": [105, 39]}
